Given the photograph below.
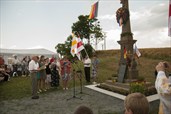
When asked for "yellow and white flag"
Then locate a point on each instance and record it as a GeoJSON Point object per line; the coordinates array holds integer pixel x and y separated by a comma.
{"type": "Point", "coordinates": [73, 45]}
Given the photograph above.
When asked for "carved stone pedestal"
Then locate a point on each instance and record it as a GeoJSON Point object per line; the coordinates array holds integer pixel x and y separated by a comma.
{"type": "Point", "coordinates": [133, 74]}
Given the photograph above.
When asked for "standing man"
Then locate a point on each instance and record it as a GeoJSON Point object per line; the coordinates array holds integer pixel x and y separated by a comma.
{"type": "Point", "coordinates": [87, 65]}
{"type": "Point", "coordinates": [163, 87]}
{"type": "Point", "coordinates": [33, 68]}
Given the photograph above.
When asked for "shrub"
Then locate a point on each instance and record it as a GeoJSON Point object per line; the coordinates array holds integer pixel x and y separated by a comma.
{"type": "Point", "coordinates": [138, 86]}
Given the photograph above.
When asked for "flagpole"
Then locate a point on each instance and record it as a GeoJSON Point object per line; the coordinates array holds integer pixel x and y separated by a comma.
{"type": "Point", "coordinates": [86, 52]}
{"type": "Point", "coordinates": [84, 48]}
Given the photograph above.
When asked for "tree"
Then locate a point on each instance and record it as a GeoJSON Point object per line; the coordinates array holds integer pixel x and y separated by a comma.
{"type": "Point", "coordinates": [64, 49]}
{"type": "Point", "coordinates": [84, 27]}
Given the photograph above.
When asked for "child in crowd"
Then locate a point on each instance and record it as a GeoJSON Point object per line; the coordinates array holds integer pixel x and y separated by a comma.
{"type": "Point", "coordinates": [136, 103]}
{"type": "Point", "coordinates": [65, 71]}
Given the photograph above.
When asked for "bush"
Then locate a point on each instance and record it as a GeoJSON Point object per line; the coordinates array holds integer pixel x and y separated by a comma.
{"type": "Point", "coordinates": [137, 87]}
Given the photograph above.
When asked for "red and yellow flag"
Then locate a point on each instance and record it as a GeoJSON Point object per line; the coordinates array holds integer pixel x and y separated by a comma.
{"type": "Point", "coordinates": [94, 11]}
{"type": "Point", "coordinates": [125, 53]}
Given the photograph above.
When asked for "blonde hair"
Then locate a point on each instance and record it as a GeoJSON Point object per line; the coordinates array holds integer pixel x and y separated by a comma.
{"type": "Point", "coordinates": [137, 103]}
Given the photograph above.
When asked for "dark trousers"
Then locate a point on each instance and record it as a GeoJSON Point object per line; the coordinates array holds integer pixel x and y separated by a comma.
{"type": "Point", "coordinates": [87, 73]}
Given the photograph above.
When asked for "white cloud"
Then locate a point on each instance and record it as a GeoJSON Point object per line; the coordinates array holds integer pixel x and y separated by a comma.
{"type": "Point", "coordinates": [13, 47]}
{"type": "Point", "coordinates": [137, 15]}
{"type": "Point", "coordinates": [112, 36]}
{"type": "Point", "coordinates": [154, 38]}
{"type": "Point", "coordinates": [149, 18]}
{"type": "Point", "coordinates": [107, 17]}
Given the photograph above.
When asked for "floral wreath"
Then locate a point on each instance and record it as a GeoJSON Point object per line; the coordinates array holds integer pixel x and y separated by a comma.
{"type": "Point", "coordinates": [122, 15]}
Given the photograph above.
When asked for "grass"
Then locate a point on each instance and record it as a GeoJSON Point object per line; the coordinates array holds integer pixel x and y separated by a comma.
{"type": "Point", "coordinates": [16, 88]}
{"type": "Point", "coordinates": [19, 87]}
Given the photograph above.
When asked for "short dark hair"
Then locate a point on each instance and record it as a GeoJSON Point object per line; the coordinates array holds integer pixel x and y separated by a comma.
{"type": "Point", "coordinates": [83, 110]}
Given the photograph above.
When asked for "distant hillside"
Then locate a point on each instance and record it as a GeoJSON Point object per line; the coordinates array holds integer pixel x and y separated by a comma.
{"type": "Point", "coordinates": [109, 62]}
{"type": "Point", "coordinates": [151, 53]}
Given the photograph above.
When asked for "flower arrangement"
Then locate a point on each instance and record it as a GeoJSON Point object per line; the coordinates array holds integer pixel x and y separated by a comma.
{"type": "Point", "coordinates": [138, 86]}
{"type": "Point", "coordinates": [122, 15]}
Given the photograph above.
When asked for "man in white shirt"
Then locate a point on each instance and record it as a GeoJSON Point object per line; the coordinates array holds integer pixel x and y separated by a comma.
{"type": "Point", "coordinates": [15, 63]}
{"type": "Point", "coordinates": [163, 87]}
{"type": "Point", "coordinates": [87, 65]}
{"type": "Point", "coordinates": [33, 68]}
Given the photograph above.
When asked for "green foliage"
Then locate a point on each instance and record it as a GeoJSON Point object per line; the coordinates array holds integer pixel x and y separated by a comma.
{"type": "Point", "coordinates": [84, 27]}
{"type": "Point", "coordinates": [16, 88]}
{"type": "Point", "coordinates": [64, 49]}
{"type": "Point", "coordinates": [89, 50]}
{"type": "Point", "coordinates": [137, 87]}
{"type": "Point", "coordinates": [81, 27]}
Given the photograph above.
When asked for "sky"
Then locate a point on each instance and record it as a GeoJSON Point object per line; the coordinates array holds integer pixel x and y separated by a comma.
{"type": "Point", "coordinates": [28, 24]}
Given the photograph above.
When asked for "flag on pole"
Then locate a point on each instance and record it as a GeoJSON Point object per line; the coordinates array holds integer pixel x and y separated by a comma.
{"type": "Point", "coordinates": [137, 52]}
{"type": "Point", "coordinates": [125, 52]}
{"type": "Point", "coordinates": [169, 20]}
{"type": "Point", "coordinates": [76, 47]}
{"type": "Point", "coordinates": [73, 45]}
{"type": "Point", "coordinates": [80, 47]}
{"type": "Point", "coordinates": [94, 11]}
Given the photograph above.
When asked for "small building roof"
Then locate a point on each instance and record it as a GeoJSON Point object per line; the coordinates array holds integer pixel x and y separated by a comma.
{"type": "Point", "coordinates": [27, 51]}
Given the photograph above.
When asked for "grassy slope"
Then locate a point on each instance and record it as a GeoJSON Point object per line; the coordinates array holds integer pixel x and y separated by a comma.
{"type": "Point", "coordinates": [20, 87]}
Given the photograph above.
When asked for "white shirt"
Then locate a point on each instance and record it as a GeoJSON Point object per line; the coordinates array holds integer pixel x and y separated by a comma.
{"type": "Point", "coordinates": [163, 88]}
{"type": "Point", "coordinates": [87, 62]}
{"type": "Point", "coordinates": [16, 61]}
{"type": "Point", "coordinates": [33, 65]}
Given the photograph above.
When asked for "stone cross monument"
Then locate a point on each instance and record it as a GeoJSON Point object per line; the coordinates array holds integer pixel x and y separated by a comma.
{"type": "Point", "coordinates": [126, 42]}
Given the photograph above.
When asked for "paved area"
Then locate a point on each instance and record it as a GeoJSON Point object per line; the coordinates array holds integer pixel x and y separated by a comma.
{"type": "Point", "coordinates": [56, 103]}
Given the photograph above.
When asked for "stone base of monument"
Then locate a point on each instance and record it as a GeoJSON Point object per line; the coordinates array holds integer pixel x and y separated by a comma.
{"type": "Point", "coordinates": [133, 74]}
{"type": "Point", "coordinates": [124, 88]}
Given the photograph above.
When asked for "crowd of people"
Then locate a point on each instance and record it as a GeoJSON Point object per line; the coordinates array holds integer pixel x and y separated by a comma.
{"type": "Point", "coordinates": [13, 67]}
{"type": "Point", "coordinates": [46, 72]}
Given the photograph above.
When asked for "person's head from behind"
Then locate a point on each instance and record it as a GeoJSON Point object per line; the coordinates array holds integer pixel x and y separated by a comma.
{"type": "Point", "coordinates": [83, 110]}
{"type": "Point", "coordinates": [136, 103]}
